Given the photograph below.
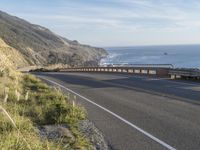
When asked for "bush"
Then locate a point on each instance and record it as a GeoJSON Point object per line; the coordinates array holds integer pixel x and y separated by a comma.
{"type": "Point", "coordinates": [56, 113]}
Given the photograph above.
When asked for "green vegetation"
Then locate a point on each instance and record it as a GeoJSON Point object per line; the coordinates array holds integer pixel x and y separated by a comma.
{"type": "Point", "coordinates": [27, 103]}
{"type": "Point", "coordinates": [46, 69]}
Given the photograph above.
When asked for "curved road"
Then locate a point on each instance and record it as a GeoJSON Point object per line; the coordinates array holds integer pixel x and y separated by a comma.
{"type": "Point", "coordinates": [137, 113]}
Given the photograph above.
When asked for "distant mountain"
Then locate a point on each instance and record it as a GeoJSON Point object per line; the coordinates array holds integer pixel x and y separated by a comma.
{"type": "Point", "coordinates": [39, 46]}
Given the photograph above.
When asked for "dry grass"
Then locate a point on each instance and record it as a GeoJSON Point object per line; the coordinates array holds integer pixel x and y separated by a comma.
{"type": "Point", "coordinates": [43, 105]}
{"type": "Point", "coordinates": [5, 113]}
{"type": "Point", "coordinates": [11, 56]}
{"type": "Point", "coordinates": [18, 132]}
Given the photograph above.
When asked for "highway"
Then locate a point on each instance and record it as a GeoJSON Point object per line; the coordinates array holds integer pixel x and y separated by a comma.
{"type": "Point", "coordinates": [137, 113]}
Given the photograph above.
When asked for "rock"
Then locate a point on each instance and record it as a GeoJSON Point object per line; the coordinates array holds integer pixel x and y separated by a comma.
{"type": "Point", "coordinates": [93, 134]}
{"type": "Point", "coordinates": [86, 127]}
{"type": "Point", "coordinates": [56, 132]}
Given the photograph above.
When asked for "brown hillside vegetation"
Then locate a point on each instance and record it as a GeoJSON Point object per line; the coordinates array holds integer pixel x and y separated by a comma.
{"type": "Point", "coordinates": [10, 56]}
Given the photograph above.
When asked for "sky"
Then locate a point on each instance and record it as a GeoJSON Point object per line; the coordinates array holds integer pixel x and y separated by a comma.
{"type": "Point", "coordinates": [114, 22]}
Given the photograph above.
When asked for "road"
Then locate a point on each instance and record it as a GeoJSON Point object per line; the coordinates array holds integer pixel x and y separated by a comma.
{"type": "Point", "coordinates": [137, 113]}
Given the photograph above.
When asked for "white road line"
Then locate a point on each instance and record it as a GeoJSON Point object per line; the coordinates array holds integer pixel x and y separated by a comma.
{"type": "Point", "coordinates": [117, 116]}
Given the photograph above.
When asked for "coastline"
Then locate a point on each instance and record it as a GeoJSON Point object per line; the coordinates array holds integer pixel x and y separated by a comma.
{"type": "Point", "coordinates": [180, 56]}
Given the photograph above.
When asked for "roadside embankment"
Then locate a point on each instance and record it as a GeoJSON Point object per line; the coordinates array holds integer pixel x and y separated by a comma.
{"type": "Point", "coordinates": [36, 116]}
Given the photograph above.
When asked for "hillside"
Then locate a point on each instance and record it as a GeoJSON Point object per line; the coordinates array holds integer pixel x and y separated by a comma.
{"type": "Point", "coordinates": [40, 46]}
{"type": "Point", "coordinates": [10, 56]}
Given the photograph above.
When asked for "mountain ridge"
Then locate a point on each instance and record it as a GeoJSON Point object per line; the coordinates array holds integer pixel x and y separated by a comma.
{"type": "Point", "coordinates": [40, 46]}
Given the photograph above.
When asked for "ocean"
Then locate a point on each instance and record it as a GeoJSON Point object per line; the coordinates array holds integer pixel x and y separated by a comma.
{"type": "Point", "coordinates": [181, 56]}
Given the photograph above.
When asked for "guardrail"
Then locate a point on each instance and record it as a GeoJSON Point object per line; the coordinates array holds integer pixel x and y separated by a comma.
{"type": "Point", "coordinates": [157, 70]}
{"type": "Point", "coordinates": [184, 73]}
{"type": "Point", "coordinates": [152, 71]}
{"type": "Point", "coordinates": [138, 65]}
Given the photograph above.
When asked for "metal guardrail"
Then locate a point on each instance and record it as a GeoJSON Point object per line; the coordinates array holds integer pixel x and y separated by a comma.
{"type": "Point", "coordinates": [137, 65]}
{"type": "Point", "coordinates": [159, 70]}
{"type": "Point", "coordinates": [190, 73]}
{"type": "Point", "coordinates": [148, 71]}
{"type": "Point", "coordinates": [153, 71]}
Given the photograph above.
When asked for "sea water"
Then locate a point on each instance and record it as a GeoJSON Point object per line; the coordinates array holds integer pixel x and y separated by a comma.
{"type": "Point", "coordinates": [181, 56]}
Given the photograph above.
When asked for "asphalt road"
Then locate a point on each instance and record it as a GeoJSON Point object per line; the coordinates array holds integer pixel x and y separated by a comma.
{"type": "Point", "coordinates": [137, 113]}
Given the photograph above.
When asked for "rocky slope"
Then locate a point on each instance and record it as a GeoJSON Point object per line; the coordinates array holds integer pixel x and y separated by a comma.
{"type": "Point", "coordinates": [40, 46]}
{"type": "Point", "coordinates": [10, 57]}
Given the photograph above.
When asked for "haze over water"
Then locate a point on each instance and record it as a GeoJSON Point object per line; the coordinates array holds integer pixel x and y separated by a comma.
{"type": "Point", "coordinates": [182, 56]}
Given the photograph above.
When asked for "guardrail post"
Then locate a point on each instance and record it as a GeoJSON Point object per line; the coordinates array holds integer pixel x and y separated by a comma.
{"type": "Point", "coordinates": [130, 70]}
{"type": "Point", "coordinates": [144, 71]}
{"type": "Point", "coordinates": [119, 70]}
{"type": "Point", "coordinates": [110, 70]}
{"type": "Point", "coordinates": [102, 69]}
{"type": "Point", "coordinates": [152, 72]}
{"type": "Point", "coordinates": [125, 70]}
{"type": "Point", "coordinates": [173, 76]}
